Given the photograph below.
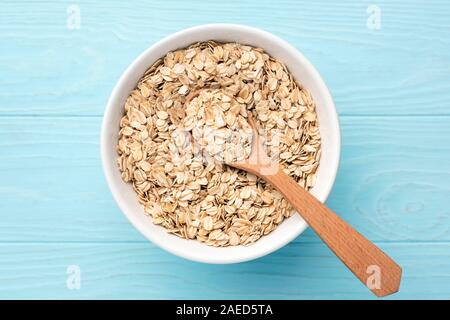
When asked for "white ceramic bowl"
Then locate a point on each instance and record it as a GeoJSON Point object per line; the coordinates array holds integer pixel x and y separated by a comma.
{"type": "Point", "coordinates": [302, 70]}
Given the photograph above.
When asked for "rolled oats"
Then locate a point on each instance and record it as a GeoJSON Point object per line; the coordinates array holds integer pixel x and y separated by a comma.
{"type": "Point", "coordinates": [204, 92]}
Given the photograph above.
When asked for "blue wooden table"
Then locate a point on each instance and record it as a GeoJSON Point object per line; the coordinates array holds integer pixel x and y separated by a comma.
{"type": "Point", "coordinates": [387, 64]}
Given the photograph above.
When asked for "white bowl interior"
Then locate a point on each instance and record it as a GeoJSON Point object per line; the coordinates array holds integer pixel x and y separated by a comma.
{"type": "Point", "coordinates": [302, 71]}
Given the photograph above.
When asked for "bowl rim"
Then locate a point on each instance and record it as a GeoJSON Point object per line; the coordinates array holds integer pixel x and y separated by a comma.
{"type": "Point", "coordinates": [115, 94]}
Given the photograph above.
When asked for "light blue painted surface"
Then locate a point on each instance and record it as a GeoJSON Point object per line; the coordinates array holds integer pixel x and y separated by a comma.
{"type": "Point", "coordinates": [392, 91]}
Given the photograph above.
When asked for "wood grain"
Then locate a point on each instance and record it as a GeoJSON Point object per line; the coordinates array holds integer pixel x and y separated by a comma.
{"type": "Point", "coordinates": [400, 69]}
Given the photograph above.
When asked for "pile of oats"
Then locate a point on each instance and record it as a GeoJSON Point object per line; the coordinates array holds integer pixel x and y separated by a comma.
{"type": "Point", "coordinates": [196, 196]}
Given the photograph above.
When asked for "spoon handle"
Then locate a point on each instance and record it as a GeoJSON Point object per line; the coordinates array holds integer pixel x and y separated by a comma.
{"type": "Point", "coordinates": [373, 267]}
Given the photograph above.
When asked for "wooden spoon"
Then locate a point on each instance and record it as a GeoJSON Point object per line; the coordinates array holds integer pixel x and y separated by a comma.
{"type": "Point", "coordinates": [372, 266]}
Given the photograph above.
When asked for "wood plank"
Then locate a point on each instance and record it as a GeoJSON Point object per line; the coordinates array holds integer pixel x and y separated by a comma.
{"type": "Point", "coordinates": [141, 271]}
{"type": "Point", "coordinates": [54, 185]}
{"type": "Point", "coordinates": [400, 69]}
{"type": "Point", "coordinates": [391, 185]}
{"type": "Point", "coordinates": [394, 177]}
